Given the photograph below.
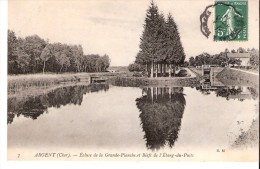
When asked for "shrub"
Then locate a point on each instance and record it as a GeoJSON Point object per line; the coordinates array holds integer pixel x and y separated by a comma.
{"type": "Point", "coordinates": [135, 67]}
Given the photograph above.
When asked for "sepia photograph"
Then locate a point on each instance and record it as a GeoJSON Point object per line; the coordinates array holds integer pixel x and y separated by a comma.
{"type": "Point", "coordinates": [139, 80]}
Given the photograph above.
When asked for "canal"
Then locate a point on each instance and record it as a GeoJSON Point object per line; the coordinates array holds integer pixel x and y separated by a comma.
{"type": "Point", "coordinates": [145, 119]}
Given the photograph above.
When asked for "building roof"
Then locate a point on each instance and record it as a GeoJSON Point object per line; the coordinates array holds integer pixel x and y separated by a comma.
{"type": "Point", "coordinates": [238, 55]}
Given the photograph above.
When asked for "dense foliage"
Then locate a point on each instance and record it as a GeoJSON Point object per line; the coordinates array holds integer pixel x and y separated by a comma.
{"type": "Point", "coordinates": [254, 60]}
{"type": "Point", "coordinates": [221, 59]}
{"type": "Point", "coordinates": [136, 67]}
{"type": "Point", "coordinates": [160, 41]}
{"type": "Point", "coordinates": [205, 58]}
{"type": "Point", "coordinates": [33, 54]}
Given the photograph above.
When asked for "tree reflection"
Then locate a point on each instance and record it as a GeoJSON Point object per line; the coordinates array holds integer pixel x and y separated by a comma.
{"type": "Point", "coordinates": [254, 92]}
{"type": "Point", "coordinates": [161, 113]}
{"type": "Point", "coordinates": [32, 107]}
{"type": "Point", "coordinates": [226, 92]}
{"type": "Point", "coordinates": [230, 92]}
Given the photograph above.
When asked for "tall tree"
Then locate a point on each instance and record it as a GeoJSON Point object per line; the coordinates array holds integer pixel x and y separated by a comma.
{"type": "Point", "coordinates": [33, 47]}
{"type": "Point", "coordinates": [149, 38]}
{"type": "Point", "coordinates": [175, 52]}
{"type": "Point", "coordinates": [23, 61]}
{"type": "Point", "coordinates": [12, 45]}
{"type": "Point", "coordinates": [160, 41]}
{"type": "Point", "coordinates": [45, 55]}
{"type": "Point", "coordinates": [106, 61]}
{"type": "Point", "coordinates": [63, 61]}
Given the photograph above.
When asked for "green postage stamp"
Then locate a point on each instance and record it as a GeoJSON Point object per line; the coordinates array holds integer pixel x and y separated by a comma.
{"type": "Point", "coordinates": [231, 20]}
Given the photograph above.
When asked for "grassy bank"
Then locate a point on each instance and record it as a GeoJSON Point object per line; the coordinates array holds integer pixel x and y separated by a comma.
{"type": "Point", "coordinates": [161, 81]}
{"type": "Point", "coordinates": [35, 91]}
{"type": "Point", "coordinates": [17, 82]}
{"type": "Point", "coordinates": [191, 79]}
{"type": "Point", "coordinates": [250, 138]}
{"type": "Point", "coordinates": [232, 77]}
{"type": "Point", "coordinates": [20, 82]}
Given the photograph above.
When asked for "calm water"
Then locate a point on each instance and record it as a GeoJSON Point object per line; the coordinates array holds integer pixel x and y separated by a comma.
{"type": "Point", "coordinates": [103, 116]}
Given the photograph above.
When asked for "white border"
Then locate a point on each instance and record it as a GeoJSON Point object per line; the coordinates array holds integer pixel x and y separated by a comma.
{"type": "Point", "coordinates": [4, 164]}
{"type": "Point", "coordinates": [131, 165]}
{"type": "Point", "coordinates": [3, 81]}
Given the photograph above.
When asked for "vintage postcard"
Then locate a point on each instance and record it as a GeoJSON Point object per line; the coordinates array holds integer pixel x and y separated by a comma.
{"type": "Point", "coordinates": [139, 80]}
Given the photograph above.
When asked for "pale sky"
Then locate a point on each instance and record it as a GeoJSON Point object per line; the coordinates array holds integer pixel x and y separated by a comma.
{"type": "Point", "coordinates": [114, 27]}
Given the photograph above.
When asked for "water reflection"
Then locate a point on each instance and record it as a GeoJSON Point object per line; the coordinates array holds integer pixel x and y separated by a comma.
{"type": "Point", "coordinates": [33, 107]}
{"type": "Point", "coordinates": [227, 88]}
{"type": "Point", "coordinates": [240, 93]}
{"type": "Point", "coordinates": [161, 114]}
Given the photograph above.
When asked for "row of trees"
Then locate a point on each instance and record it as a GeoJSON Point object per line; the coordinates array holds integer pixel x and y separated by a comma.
{"type": "Point", "coordinates": [205, 58]}
{"type": "Point", "coordinates": [221, 58]}
{"type": "Point", "coordinates": [160, 45]}
{"type": "Point", "coordinates": [33, 54]}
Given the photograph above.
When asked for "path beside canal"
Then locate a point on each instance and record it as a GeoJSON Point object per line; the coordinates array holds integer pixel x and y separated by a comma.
{"type": "Point", "coordinates": [253, 73]}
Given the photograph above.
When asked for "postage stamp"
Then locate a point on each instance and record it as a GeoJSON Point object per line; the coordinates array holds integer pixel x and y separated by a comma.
{"type": "Point", "coordinates": [231, 20]}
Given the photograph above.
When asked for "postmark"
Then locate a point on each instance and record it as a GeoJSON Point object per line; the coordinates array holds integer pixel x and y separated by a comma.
{"type": "Point", "coordinates": [204, 17]}
{"type": "Point", "coordinates": [231, 20]}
